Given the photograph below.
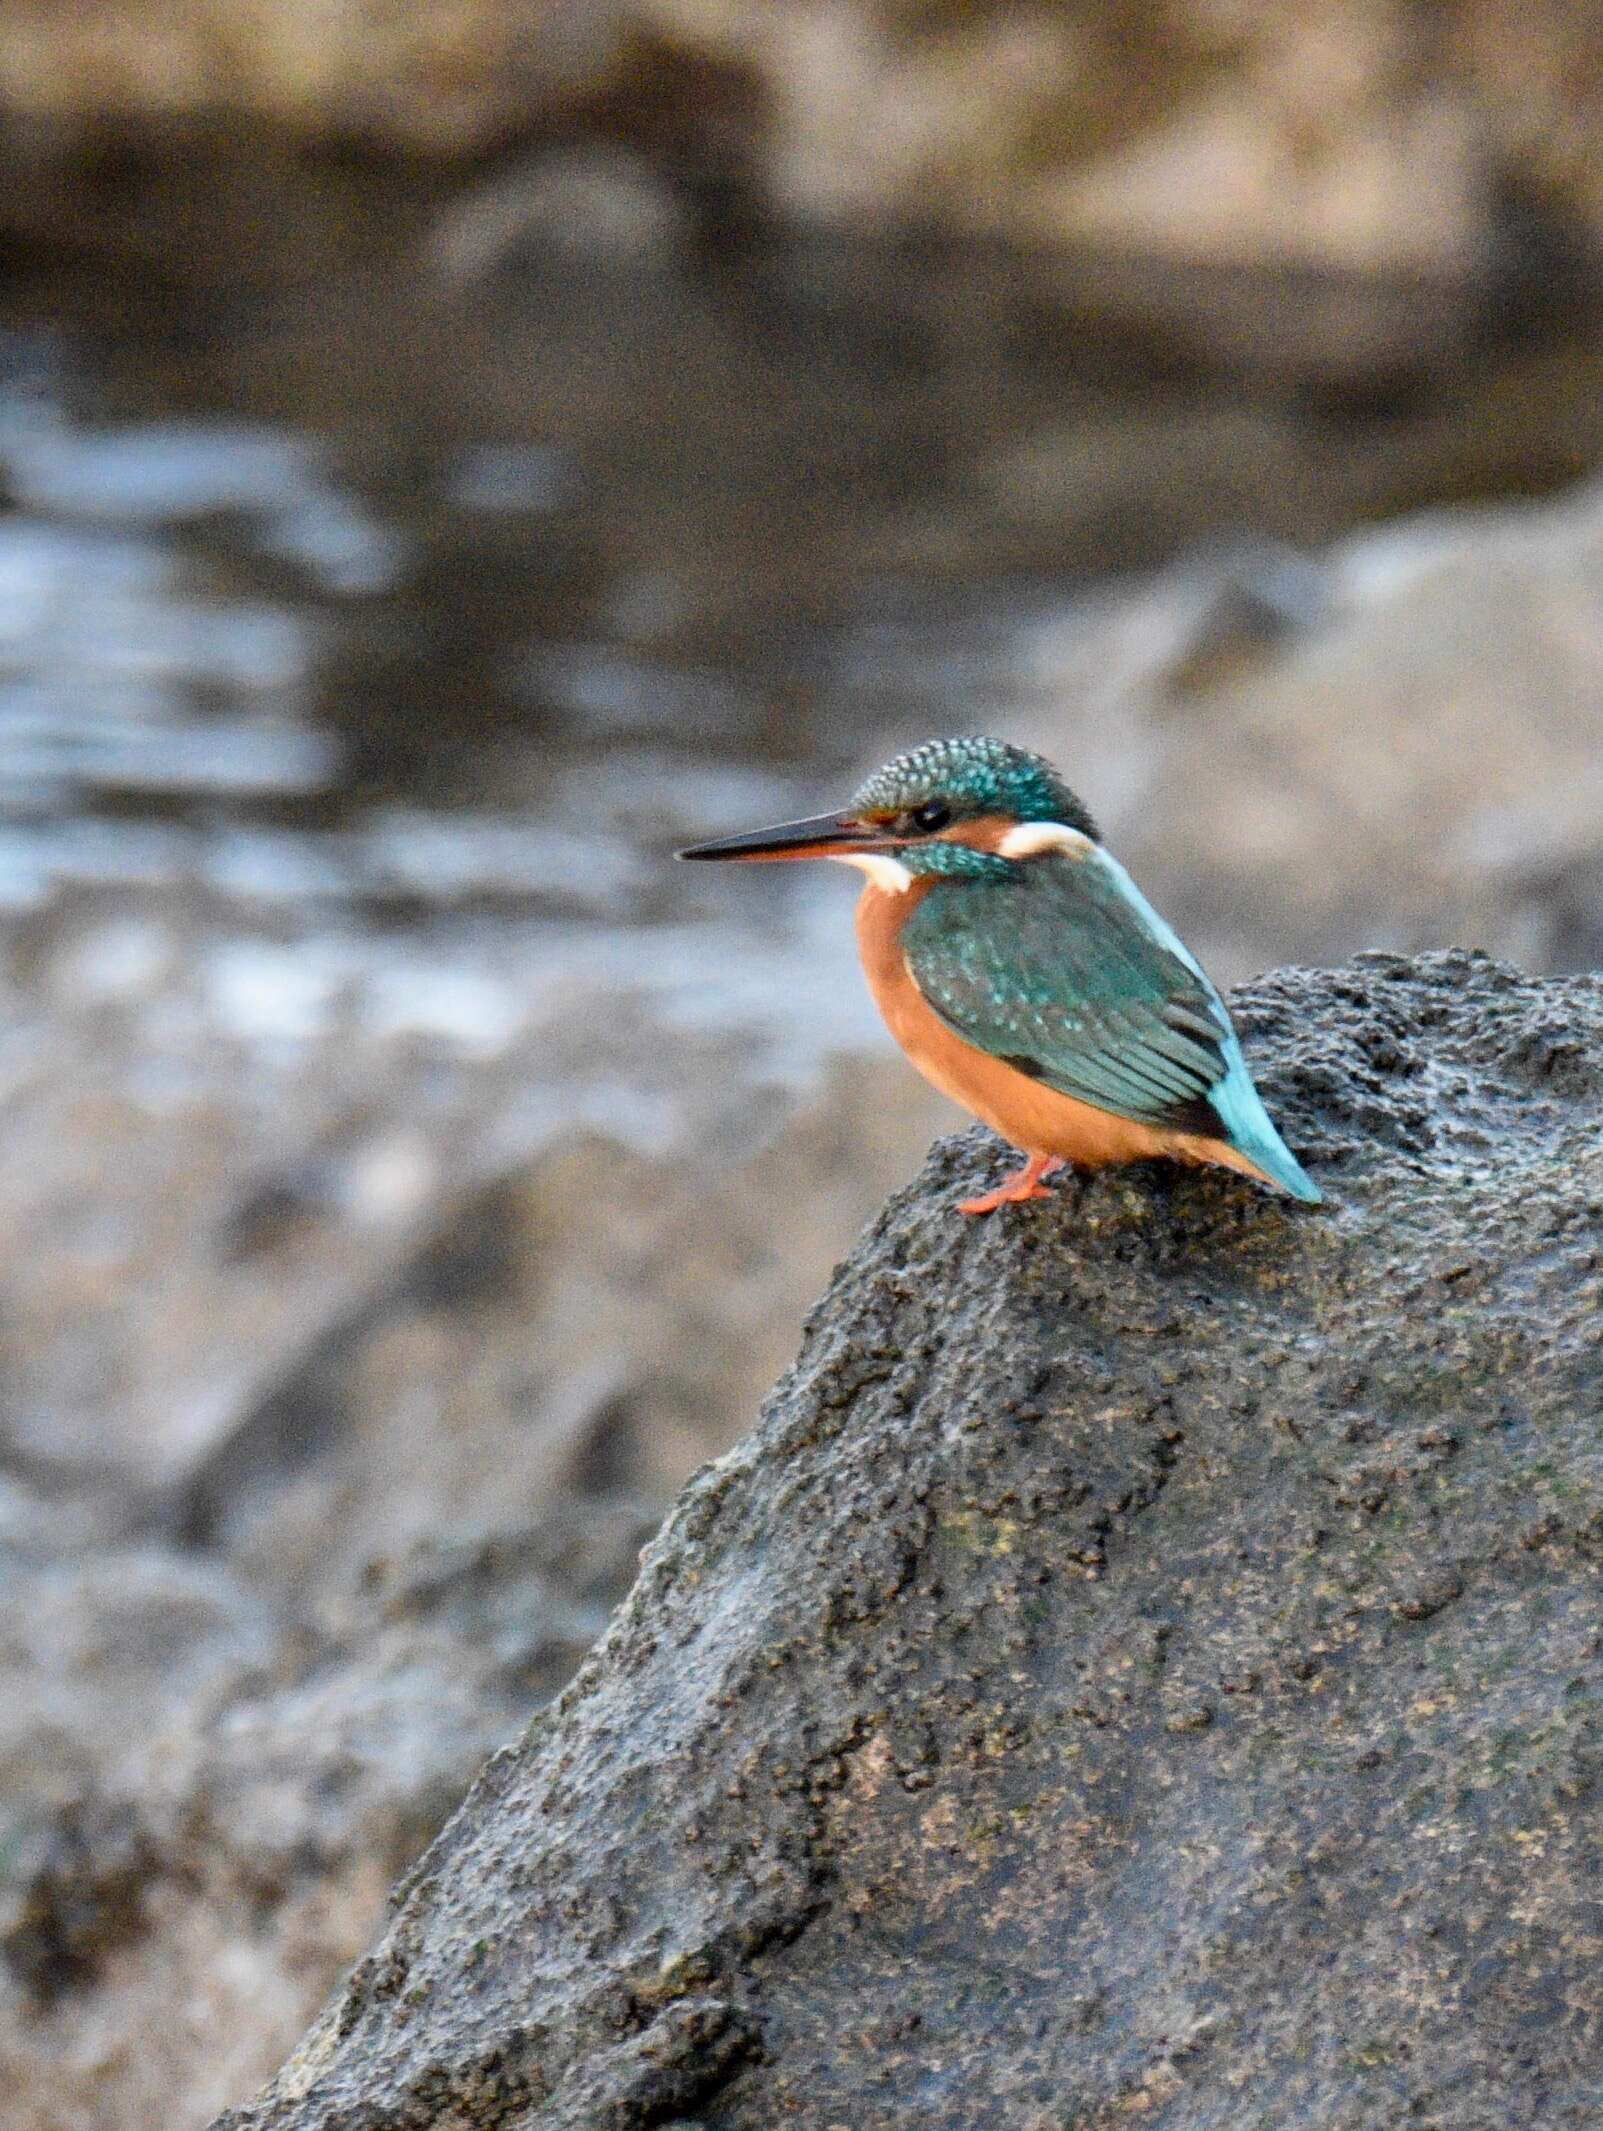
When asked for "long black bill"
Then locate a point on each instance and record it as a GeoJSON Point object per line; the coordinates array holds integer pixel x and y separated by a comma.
{"type": "Point", "coordinates": [821, 836]}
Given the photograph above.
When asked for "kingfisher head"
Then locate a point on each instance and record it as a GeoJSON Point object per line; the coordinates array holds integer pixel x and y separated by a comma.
{"type": "Point", "coordinates": [967, 806]}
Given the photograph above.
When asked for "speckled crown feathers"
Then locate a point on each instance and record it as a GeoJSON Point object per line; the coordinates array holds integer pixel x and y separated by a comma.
{"type": "Point", "coordinates": [975, 775]}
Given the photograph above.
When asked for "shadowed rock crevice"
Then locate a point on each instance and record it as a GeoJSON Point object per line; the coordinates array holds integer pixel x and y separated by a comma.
{"type": "Point", "coordinates": [1145, 1661]}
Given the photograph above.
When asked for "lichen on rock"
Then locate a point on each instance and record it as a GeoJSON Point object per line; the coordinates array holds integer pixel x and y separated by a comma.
{"type": "Point", "coordinates": [1145, 1660]}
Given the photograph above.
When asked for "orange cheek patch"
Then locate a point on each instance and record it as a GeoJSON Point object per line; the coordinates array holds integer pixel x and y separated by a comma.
{"type": "Point", "coordinates": [983, 835]}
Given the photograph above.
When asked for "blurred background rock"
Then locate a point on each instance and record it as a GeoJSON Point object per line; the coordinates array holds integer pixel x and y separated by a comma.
{"type": "Point", "coordinates": [451, 452]}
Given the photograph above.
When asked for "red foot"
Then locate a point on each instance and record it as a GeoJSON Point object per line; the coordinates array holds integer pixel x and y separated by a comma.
{"type": "Point", "coordinates": [1023, 1184]}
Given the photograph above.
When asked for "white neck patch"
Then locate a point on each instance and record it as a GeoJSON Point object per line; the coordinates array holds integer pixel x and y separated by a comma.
{"type": "Point", "coordinates": [882, 872]}
{"type": "Point", "coordinates": [1028, 839]}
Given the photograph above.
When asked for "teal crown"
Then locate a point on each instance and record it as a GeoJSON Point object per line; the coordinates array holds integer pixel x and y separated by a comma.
{"type": "Point", "coordinates": [974, 776]}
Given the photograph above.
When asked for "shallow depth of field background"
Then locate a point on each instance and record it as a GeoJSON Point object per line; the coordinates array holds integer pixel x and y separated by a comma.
{"type": "Point", "coordinates": [448, 456]}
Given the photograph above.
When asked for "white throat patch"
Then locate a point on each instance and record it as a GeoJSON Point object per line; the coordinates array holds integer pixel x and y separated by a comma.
{"type": "Point", "coordinates": [882, 871]}
{"type": "Point", "coordinates": [1028, 839]}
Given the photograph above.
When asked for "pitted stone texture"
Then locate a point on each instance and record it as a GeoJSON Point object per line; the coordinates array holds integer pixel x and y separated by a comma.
{"type": "Point", "coordinates": [1146, 1661]}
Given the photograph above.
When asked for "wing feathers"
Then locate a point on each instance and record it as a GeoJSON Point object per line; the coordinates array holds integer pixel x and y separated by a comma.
{"type": "Point", "coordinates": [1062, 964]}
{"type": "Point", "coordinates": [1064, 969]}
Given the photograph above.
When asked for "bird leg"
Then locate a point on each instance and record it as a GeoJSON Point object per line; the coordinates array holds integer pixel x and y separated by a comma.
{"type": "Point", "coordinates": [1023, 1184]}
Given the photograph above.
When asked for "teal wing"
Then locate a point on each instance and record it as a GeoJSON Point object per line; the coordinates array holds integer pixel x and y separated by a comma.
{"type": "Point", "coordinates": [1066, 972]}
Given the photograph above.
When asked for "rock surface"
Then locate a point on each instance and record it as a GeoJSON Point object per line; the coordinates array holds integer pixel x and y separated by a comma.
{"type": "Point", "coordinates": [1145, 1661]}
{"type": "Point", "coordinates": [241, 1690]}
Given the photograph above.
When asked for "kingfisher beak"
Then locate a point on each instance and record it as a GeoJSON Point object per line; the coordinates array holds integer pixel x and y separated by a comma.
{"type": "Point", "coordinates": [821, 836]}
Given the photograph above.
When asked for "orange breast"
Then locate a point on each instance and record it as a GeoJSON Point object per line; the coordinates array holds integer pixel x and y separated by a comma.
{"type": "Point", "coordinates": [1035, 1118]}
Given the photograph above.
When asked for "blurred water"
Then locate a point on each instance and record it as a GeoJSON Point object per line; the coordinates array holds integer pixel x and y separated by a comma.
{"type": "Point", "coordinates": [400, 625]}
{"type": "Point", "coordinates": [373, 625]}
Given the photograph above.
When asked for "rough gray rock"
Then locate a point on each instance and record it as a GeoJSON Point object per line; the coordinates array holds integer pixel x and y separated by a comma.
{"type": "Point", "coordinates": [1146, 1661]}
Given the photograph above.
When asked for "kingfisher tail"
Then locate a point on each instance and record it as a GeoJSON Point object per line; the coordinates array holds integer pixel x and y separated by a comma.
{"type": "Point", "coordinates": [1251, 1131]}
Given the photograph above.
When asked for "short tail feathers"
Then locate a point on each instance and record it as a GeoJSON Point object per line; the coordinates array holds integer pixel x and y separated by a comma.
{"type": "Point", "coordinates": [1251, 1131]}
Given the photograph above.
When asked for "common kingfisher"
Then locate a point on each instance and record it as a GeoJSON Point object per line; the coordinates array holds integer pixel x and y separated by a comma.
{"type": "Point", "coordinates": [1026, 975]}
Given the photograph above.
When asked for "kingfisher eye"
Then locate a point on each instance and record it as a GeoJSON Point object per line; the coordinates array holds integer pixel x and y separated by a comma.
{"type": "Point", "coordinates": [932, 815]}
